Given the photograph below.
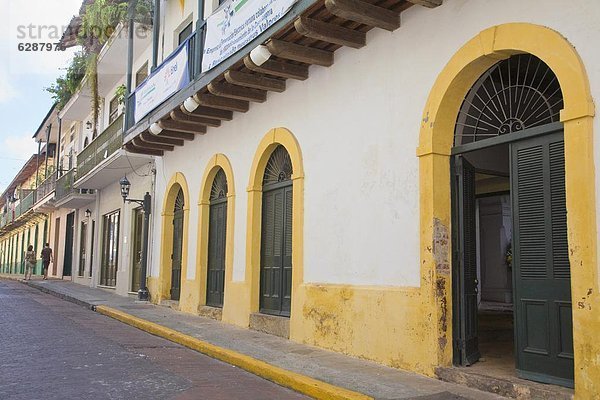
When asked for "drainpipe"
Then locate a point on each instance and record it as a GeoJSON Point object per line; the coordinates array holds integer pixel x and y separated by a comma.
{"type": "Point", "coordinates": [155, 34]}
{"type": "Point", "coordinates": [57, 167]}
{"type": "Point", "coordinates": [200, 25]}
{"type": "Point", "coordinates": [130, 27]}
{"type": "Point", "coordinates": [37, 164]}
{"type": "Point", "coordinates": [48, 129]}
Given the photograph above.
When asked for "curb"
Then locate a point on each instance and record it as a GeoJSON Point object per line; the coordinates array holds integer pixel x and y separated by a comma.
{"type": "Point", "coordinates": [292, 380]}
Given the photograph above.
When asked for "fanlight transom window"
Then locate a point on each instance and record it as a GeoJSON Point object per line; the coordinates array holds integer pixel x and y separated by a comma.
{"type": "Point", "coordinates": [179, 201]}
{"type": "Point", "coordinates": [518, 93]}
{"type": "Point", "coordinates": [279, 167]}
{"type": "Point", "coordinates": [218, 189]}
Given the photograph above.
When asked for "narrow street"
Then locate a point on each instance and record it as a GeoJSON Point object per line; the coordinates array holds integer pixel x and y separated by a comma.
{"type": "Point", "coordinates": [53, 349]}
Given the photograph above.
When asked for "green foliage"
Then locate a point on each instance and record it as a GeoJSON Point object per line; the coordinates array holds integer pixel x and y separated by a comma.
{"type": "Point", "coordinates": [120, 93]}
{"type": "Point", "coordinates": [65, 86]}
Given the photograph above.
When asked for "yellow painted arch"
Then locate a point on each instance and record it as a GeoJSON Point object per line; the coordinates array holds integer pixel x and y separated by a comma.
{"type": "Point", "coordinates": [176, 182]}
{"type": "Point", "coordinates": [217, 162]}
{"type": "Point", "coordinates": [435, 142]}
{"type": "Point", "coordinates": [239, 309]}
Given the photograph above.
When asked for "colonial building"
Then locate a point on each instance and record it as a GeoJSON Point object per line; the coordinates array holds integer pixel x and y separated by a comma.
{"type": "Point", "coordinates": [386, 179]}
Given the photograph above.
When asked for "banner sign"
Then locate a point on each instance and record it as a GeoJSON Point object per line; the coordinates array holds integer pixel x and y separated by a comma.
{"type": "Point", "coordinates": [172, 76]}
{"type": "Point", "coordinates": [235, 24]}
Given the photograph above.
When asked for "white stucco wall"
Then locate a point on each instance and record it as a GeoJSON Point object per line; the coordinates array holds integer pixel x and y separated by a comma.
{"type": "Point", "coordinates": [357, 123]}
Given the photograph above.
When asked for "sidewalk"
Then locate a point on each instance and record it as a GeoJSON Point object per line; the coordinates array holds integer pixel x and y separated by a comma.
{"type": "Point", "coordinates": [310, 370]}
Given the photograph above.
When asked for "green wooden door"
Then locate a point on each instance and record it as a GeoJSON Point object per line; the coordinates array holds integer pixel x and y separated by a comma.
{"type": "Point", "coordinates": [276, 235]}
{"type": "Point", "coordinates": [276, 251]}
{"type": "Point", "coordinates": [466, 258]}
{"type": "Point", "coordinates": [543, 321]}
{"type": "Point", "coordinates": [217, 237]}
{"type": "Point", "coordinates": [136, 259]}
{"type": "Point", "coordinates": [68, 257]}
{"type": "Point", "coordinates": [216, 254]}
{"type": "Point", "coordinates": [177, 246]}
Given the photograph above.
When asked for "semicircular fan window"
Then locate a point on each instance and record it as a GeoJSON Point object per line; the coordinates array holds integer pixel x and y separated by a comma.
{"type": "Point", "coordinates": [218, 189]}
{"type": "Point", "coordinates": [279, 167]}
{"type": "Point", "coordinates": [518, 93]}
{"type": "Point", "coordinates": [179, 201]}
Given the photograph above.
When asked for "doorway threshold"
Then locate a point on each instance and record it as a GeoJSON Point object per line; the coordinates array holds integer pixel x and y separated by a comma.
{"type": "Point", "coordinates": [507, 386]}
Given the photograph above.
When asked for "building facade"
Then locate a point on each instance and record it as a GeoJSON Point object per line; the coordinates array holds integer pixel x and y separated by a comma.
{"type": "Point", "coordinates": [384, 192]}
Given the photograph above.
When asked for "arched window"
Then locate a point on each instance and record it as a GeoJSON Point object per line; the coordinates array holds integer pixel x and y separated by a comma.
{"type": "Point", "coordinates": [177, 245]}
{"type": "Point", "coordinates": [217, 236]}
{"type": "Point", "coordinates": [276, 237]}
{"type": "Point", "coordinates": [518, 93]}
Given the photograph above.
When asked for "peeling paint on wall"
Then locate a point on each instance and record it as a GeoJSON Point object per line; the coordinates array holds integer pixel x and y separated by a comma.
{"type": "Point", "coordinates": [441, 243]}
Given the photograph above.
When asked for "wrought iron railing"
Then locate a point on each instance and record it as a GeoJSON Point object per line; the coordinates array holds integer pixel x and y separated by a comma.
{"type": "Point", "coordinates": [46, 187]}
{"type": "Point", "coordinates": [64, 186]}
{"type": "Point", "coordinates": [109, 141]}
{"type": "Point", "coordinates": [25, 204]}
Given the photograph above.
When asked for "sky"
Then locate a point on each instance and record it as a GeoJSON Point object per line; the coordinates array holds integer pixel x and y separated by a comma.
{"type": "Point", "coordinates": [24, 75]}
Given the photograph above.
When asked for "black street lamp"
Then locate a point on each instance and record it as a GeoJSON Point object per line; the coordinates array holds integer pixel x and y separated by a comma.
{"type": "Point", "coordinates": [146, 206]}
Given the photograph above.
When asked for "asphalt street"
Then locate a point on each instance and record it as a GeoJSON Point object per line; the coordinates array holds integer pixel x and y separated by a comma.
{"type": "Point", "coordinates": [53, 349]}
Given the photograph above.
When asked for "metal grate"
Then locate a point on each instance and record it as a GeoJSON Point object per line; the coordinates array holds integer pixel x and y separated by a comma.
{"type": "Point", "coordinates": [179, 201]}
{"type": "Point", "coordinates": [279, 167]}
{"type": "Point", "coordinates": [219, 186]}
{"type": "Point", "coordinates": [517, 93]}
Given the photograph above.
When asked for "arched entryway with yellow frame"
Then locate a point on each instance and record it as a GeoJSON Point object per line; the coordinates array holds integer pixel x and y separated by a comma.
{"type": "Point", "coordinates": [176, 187]}
{"type": "Point", "coordinates": [239, 309]}
{"type": "Point", "coordinates": [218, 162]}
{"type": "Point", "coordinates": [435, 143]}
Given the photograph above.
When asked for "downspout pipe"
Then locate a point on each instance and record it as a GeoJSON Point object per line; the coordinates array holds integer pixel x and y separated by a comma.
{"type": "Point", "coordinates": [58, 165]}
{"type": "Point", "coordinates": [155, 34]}
{"type": "Point", "coordinates": [128, 84]}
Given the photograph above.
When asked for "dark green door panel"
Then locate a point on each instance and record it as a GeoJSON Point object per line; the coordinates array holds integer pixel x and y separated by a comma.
{"type": "Point", "coordinates": [216, 253]}
{"type": "Point", "coordinates": [68, 258]}
{"type": "Point", "coordinates": [543, 320]}
{"type": "Point", "coordinates": [176, 257]}
{"type": "Point", "coordinates": [276, 251]}
{"type": "Point", "coordinates": [466, 259]}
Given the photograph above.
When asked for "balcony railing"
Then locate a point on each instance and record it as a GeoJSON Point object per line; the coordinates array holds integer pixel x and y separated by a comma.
{"type": "Point", "coordinates": [46, 187]}
{"type": "Point", "coordinates": [25, 204]}
{"type": "Point", "coordinates": [109, 141]}
{"type": "Point", "coordinates": [64, 186]}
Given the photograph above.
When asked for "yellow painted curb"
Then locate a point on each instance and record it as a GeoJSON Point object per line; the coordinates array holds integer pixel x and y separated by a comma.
{"type": "Point", "coordinates": [300, 383]}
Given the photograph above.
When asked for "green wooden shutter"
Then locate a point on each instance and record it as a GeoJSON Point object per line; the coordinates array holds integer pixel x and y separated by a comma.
{"type": "Point", "coordinates": [176, 257]}
{"type": "Point", "coordinates": [216, 253]}
{"type": "Point", "coordinates": [544, 339]}
{"type": "Point", "coordinates": [468, 345]}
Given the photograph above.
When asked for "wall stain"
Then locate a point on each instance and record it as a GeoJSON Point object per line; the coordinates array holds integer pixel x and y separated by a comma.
{"type": "Point", "coordinates": [441, 244]}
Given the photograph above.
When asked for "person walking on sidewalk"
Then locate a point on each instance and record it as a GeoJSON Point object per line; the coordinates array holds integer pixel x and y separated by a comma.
{"type": "Point", "coordinates": [46, 259]}
{"type": "Point", "coordinates": [29, 262]}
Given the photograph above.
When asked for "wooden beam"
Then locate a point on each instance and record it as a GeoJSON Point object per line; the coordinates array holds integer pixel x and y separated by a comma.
{"type": "Point", "coordinates": [186, 127]}
{"type": "Point", "coordinates": [278, 68]}
{"type": "Point", "coordinates": [427, 3]}
{"type": "Point", "coordinates": [296, 52]}
{"type": "Point", "coordinates": [223, 103]}
{"type": "Point", "coordinates": [138, 141]}
{"type": "Point", "coordinates": [364, 13]}
{"type": "Point", "coordinates": [330, 33]}
{"type": "Point", "coordinates": [177, 135]}
{"type": "Point", "coordinates": [149, 137]}
{"type": "Point", "coordinates": [237, 92]}
{"type": "Point", "coordinates": [179, 115]}
{"type": "Point", "coordinates": [208, 112]}
{"type": "Point", "coordinates": [130, 147]}
{"type": "Point", "coordinates": [255, 81]}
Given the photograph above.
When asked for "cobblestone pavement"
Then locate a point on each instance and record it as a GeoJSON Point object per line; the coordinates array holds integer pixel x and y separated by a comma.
{"type": "Point", "coordinates": [53, 349]}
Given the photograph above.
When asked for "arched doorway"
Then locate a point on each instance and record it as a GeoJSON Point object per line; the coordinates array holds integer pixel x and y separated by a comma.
{"type": "Point", "coordinates": [176, 258]}
{"type": "Point", "coordinates": [510, 224]}
{"type": "Point", "coordinates": [217, 240]}
{"type": "Point", "coordinates": [276, 235]}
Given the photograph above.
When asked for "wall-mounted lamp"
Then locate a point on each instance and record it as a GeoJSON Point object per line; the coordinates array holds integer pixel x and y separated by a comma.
{"type": "Point", "coordinates": [155, 129]}
{"type": "Point", "coordinates": [88, 125]}
{"type": "Point", "coordinates": [260, 54]}
{"type": "Point", "coordinates": [88, 213]}
{"type": "Point", "coordinates": [190, 104]}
